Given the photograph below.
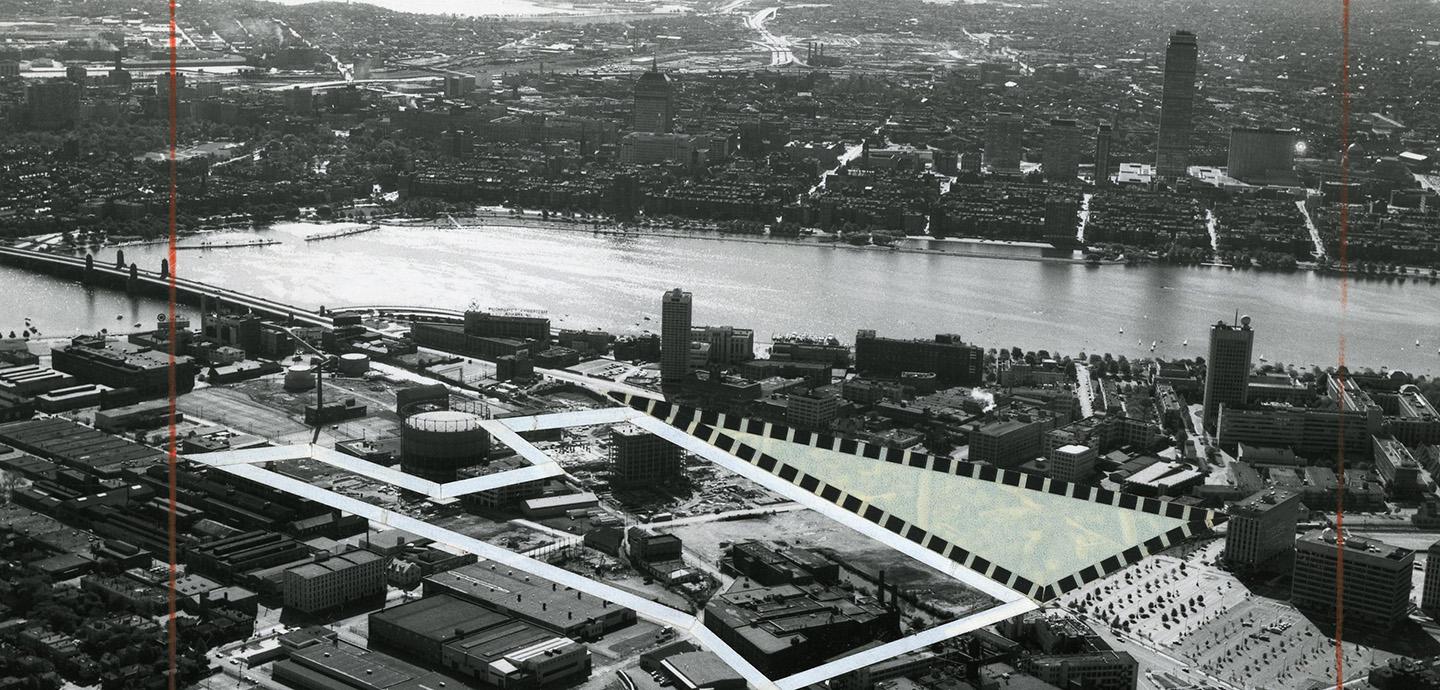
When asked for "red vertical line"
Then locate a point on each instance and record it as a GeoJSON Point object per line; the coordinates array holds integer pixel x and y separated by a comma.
{"type": "Point", "coordinates": [1344, 257]}
{"type": "Point", "coordinates": [171, 622]}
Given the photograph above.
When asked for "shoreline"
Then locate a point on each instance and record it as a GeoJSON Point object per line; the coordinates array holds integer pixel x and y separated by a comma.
{"type": "Point", "coordinates": [1418, 275]}
{"type": "Point", "coordinates": [719, 236]}
{"type": "Point", "coordinates": [1137, 355]}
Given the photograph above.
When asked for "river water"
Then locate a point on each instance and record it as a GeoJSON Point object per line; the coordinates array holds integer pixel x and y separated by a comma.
{"type": "Point", "coordinates": [605, 281]}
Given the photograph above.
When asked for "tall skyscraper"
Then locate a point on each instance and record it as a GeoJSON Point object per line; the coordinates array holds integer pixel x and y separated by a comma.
{"type": "Point", "coordinates": [654, 109]}
{"type": "Point", "coordinates": [1102, 155]}
{"type": "Point", "coordinates": [1004, 141]}
{"type": "Point", "coordinates": [1227, 370]}
{"type": "Point", "coordinates": [1177, 103]}
{"type": "Point", "coordinates": [1262, 154]}
{"type": "Point", "coordinates": [1430, 593]}
{"type": "Point", "coordinates": [52, 104]}
{"type": "Point", "coordinates": [674, 337]}
{"type": "Point", "coordinates": [1062, 150]}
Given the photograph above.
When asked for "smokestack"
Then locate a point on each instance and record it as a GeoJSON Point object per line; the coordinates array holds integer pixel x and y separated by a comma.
{"type": "Point", "coordinates": [880, 589]}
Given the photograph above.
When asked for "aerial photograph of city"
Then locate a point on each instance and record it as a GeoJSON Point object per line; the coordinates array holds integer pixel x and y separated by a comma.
{"type": "Point", "coordinates": [719, 344]}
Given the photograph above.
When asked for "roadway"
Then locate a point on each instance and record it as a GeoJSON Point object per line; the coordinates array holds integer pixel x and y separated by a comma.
{"type": "Point", "coordinates": [1083, 391]}
{"type": "Point", "coordinates": [779, 46]}
{"type": "Point", "coordinates": [183, 286]}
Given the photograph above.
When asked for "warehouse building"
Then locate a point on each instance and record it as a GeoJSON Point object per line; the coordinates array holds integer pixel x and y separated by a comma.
{"type": "Point", "coordinates": [469, 640]}
{"type": "Point", "coordinates": [533, 599]}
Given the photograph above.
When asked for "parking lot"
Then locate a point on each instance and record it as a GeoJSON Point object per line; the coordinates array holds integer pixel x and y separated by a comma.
{"type": "Point", "coordinates": [1183, 606]}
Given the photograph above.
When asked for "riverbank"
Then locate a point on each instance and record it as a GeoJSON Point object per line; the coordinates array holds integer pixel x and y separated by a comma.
{"type": "Point", "coordinates": [720, 236]}
{"type": "Point", "coordinates": [586, 280]}
{"type": "Point", "coordinates": [962, 247]}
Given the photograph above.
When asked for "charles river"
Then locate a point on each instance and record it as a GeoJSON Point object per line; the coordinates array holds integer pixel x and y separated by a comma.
{"type": "Point", "coordinates": [587, 280]}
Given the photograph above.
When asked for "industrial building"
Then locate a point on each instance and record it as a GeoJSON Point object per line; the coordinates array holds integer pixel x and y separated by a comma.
{"type": "Point", "coordinates": [78, 447]}
{"type": "Point", "coordinates": [1377, 579]}
{"type": "Point", "coordinates": [332, 581]}
{"type": "Point", "coordinates": [953, 362]}
{"type": "Point", "coordinates": [770, 567]}
{"type": "Point", "coordinates": [33, 379]}
{"type": "Point", "coordinates": [468, 640]}
{"type": "Point", "coordinates": [435, 445]}
{"type": "Point", "coordinates": [1072, 463]}
{"type": "Point", "coordinates": [1100, 670]}
{"type": "Point", "coordinates": [785, 629]}
{"type": "Point", "coordinates": [334, 665]}
{"type": "Point", "coordinates": [561, 610]}
{"type": "Point", "coordinates": [1261, 531]}
{"type": "Point", "coordinates": [813, 410]}
{"type": "Point", "coordinates": [94, 360]}
{"type": "Point", "coordinates": [1009, 442]}
{"type": "Point", "coordinates": [509, 323]}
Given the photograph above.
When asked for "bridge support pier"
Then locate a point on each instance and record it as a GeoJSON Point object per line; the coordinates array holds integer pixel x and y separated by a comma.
{"type": "Point", "coordinates": [132, 285]}
{"type": "Point", "coordinates": [89, 278]}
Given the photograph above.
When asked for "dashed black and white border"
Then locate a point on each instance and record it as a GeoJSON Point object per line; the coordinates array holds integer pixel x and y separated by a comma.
{"type": "Point", "coordinates": [707, 425]}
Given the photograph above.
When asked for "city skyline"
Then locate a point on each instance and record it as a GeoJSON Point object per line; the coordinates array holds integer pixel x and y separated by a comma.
{"type": "Point", "coordinates": [719, 345]}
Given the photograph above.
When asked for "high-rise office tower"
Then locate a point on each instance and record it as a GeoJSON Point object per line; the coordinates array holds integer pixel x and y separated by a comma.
{"type": "Point", "coordinates": [674, 337]}
{"type": "Point", "coordinates": [1004, 136]}
{"type": "Point", "coordinates": [1177, 103]}
{"type": "Point", "coordinates": [654, 109]}
{"type": "Point", "coordinates": [1102, 155]}
{"type": "Point", "coordinates": [1377, 579]}
{"type": "Point", "coordinates": [1261, 532]}
{"type": "Point", "coordinates": [1262, 154]}
{"type": "Point", "coordinates": [52, 104]}
{"type": "Point", "coordinates": [1430, 593]}
{"type": "Point", "coordinates": [1227, 370]}
{"type": "Point", "coordinates": [1062, 150]}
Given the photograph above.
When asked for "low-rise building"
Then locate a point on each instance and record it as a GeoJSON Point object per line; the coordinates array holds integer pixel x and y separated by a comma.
{"type": "Point", "coordinates": [469, 640]}
{"type": "Point", "coordinates": [562, 610]}
{"type": "Point", "coordinates": [788, 628]}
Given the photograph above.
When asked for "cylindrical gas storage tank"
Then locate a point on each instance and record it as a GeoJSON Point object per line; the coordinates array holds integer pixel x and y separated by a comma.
{"type": "Point", "coordinates": [435, 445]}
{"type": "Point", "coordinates": [354, 364]}
{"type": "Point", "coordinates": [299, 377]}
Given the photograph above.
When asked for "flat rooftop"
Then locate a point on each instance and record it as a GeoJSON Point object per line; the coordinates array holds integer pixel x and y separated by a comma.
{"type": "Point", "coordinates": [531, 596]}
{"type": "Point", "coordinates": [440, 617]}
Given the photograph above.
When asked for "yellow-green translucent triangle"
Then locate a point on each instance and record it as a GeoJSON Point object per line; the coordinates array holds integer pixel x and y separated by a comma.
{"type": "Point", "coordinates": [1039, 536]}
